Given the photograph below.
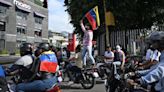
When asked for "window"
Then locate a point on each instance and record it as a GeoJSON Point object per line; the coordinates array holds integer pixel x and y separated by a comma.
{"type": "Point", "coordinates": [2, 26]}
{"type": "Point", "coordinates": [21, 15]}
{"type": "Point", "coordinates": [38, 20]}
{"type": "Point", "coordinates": [2, 44]}
{"type": "Point", "coordinates": [19, 43]}
{"type": "Point", "coordinates": [38, 33]}
{"type": "Point", "coordinates": [21, 30]}
{"type": "Point", "coordinates": [3, 10]}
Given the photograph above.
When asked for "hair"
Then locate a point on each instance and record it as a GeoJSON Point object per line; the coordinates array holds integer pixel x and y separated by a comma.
{"type": "Point", "coordinates": [108, 47]}
{"type": "Point", "coordinates": [87, 24]}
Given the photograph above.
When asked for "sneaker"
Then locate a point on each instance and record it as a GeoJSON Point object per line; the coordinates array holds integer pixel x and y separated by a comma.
{"type": "Point", "coordinates": [70, 82]}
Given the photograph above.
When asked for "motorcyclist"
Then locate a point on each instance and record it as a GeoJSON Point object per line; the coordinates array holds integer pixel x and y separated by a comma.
{"type": "Point", "coordinates": [119, 60]}
{"type": "Point", "coordinates": [152, 58]}
{"type": "Point", "coordinates": [22, 66]}
{"type": "Point", "coordinates": [45, 68]}
{"type": "Point", "coordinates": [155, 73]}
{"type": "Point", "coordinates": [75, 64]}
{"type": "Point", "coordinates": [108, 55]}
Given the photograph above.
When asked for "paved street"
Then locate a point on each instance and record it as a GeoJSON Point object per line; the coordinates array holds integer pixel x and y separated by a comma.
{"type": "Point", "coordinates": [99, 87]}
{"type": "Point", "coordinates": [8, 59]}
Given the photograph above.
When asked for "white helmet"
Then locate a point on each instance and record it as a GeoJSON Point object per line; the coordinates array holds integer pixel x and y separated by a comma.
{"type": "Point", "coordinates": [118, 47]}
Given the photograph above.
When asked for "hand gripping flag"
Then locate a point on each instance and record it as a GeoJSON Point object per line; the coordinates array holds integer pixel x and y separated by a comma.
{"type": "Point", "coordinates": [93, 17]}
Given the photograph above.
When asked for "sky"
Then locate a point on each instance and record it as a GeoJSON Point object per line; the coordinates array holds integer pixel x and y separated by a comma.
{"type": "Point", "coordinates": [58, 17]}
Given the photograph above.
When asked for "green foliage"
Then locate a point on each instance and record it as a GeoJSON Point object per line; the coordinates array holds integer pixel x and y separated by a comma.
{"type": "Point", "coordinates": [17, 51]}
{"type": "Point", "coordinates": [78, 8]}
{"type": "Point", "coordinates": [129, 14]}
{"type": "Point", "coordinates": [4, 51]}
{"type": "Point", "coordinates": [38, 2]}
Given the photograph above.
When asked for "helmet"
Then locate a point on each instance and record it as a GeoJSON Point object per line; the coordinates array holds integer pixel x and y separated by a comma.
{"type": "Point", "coordinates": [118, 47]}
{"type": "Point", "coordinates": [157, 36]}
{"type": "Point", "coordinates": [44, 46]}
{"type": "Point", "coordinates": [26, 48]}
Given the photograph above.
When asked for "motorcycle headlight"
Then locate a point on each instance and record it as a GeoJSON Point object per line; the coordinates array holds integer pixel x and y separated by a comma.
{"type": "Point", "coordinates": [95, 74]}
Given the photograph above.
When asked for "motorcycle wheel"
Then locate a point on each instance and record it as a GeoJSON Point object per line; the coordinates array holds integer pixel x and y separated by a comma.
{"type": "Point", "coordinates": [88, 82]}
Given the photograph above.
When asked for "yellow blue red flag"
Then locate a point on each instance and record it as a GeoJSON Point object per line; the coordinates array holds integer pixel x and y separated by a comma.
{"type": "Point", "coordinates": [93, 17]}
{"type": "Point", "coordinates": [48, 62]}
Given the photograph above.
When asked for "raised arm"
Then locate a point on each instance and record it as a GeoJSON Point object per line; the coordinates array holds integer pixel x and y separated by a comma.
{"type": "Point", "coordinates": [82, 26]}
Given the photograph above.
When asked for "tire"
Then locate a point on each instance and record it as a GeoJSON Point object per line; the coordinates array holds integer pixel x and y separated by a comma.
{"type": "Point", "coordinates": [101, 71]}
{"type": "Point", "coordinates": [88, 82]}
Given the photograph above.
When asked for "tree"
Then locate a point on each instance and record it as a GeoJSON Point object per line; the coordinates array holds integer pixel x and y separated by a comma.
{"type": "Point", "coordinates": [77, 9]}
{"type": "Point", "coordinates": [129, 14]}
{"type": "Point", "coordinates": [45, 3]}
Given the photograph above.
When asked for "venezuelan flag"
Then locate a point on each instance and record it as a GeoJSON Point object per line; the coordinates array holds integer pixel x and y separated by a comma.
{"type": "Point", "coordinates": [48, 62]}
{"type": "Point", "coordinates": [93, 17]}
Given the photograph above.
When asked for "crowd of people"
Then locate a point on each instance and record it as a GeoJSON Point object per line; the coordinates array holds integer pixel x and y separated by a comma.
{"type": "Point", "coordinates": [153, 73]}
{"type": "Point", "coordinates": [37, 69]}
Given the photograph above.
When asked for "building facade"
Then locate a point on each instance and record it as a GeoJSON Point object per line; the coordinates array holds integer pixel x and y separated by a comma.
{"type": "Point", "coordinates": [58, 39]}
{"type": "Point", "coordinates": [22, 21]}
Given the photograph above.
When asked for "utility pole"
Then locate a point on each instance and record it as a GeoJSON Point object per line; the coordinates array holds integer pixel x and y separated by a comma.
{"type": "Point", "coordinates": [106, 27]}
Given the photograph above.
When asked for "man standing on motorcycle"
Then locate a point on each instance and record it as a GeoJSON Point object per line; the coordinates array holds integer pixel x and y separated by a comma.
{"type": "Point", "coordinates": [87, 44]}
{"type": "Point", "coordinates": [155, 73]}
{"type": "Point", "coordinates": [46, 67]}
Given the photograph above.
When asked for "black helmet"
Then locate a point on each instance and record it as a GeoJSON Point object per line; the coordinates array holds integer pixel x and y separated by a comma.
{"type": "Point", "coordinates": [26, 48]}
{"type": "Point", "coordinates": [44, 46]}
{"type": "Point", "coordinates": [157, 36]}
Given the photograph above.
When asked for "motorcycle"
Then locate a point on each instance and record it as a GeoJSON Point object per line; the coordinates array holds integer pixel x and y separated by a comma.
{"type": "Point", "coordinates": [85, 77]}
{"type": "Point", "coordinates": [14, 80]}
{"type": "Point", "coordinates": [117, 82]}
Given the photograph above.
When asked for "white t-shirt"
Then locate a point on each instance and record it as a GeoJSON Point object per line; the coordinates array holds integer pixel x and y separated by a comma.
{"type": "Point", "coordinates": [87, 39]}
{"type": "Point", "coordinates": [156, 55]}
{"type": "Point", "coordinates": [149, 54]}
{"type": "Point", "coordinates": [109, 54]}
{"type": "Point", "coordinates": [24, 61]}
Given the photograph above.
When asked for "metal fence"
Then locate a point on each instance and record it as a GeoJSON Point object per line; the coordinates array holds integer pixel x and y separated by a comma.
{"type": "Point", "coordinates": [130, 40]}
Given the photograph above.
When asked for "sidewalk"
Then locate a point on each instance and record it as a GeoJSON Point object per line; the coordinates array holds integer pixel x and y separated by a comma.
{"type": "Point", "coordinates": [3, 55]}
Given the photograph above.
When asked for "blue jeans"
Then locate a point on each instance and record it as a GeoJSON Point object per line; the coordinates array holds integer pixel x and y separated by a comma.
{"type": "Point", "coordinates": [37, 85]}
{"type": "Point", "coordinates": [84, 54]}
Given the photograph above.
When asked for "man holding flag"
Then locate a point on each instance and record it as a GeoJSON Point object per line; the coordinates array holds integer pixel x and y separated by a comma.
{"type": "Point", "coordinates": [93, 18]}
